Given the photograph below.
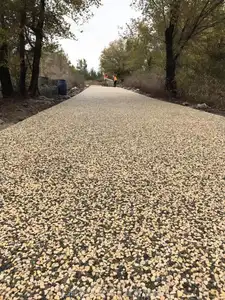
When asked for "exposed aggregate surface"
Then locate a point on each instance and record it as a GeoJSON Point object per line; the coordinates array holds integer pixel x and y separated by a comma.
{"type": "Point", "coordinates": [113, 194]}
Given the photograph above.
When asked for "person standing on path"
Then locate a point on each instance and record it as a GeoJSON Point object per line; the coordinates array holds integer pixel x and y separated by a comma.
{"type": "Point", "coordinates": [105, 77]}
{"type": "Point", "coordinates": [115, 80]}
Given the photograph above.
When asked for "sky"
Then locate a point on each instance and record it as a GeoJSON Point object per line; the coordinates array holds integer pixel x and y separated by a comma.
{"type": "Point", "coordinates": [101, 29]}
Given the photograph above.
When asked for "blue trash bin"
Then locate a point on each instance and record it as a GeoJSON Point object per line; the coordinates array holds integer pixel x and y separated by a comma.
{"type": "Point", "coordinates": [62, 87]}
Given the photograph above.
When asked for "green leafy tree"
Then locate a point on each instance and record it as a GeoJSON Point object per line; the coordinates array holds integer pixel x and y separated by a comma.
{"type": "Point", "coordinates": [82, 67]}
{"type": "Point", "coordinates": [139, 45]}
{"type": "Point", "coordinates": [179, 22]}
{"type": "Point", "coordinates": [94, 75]}
{"type": "Point", "coordinates": [114, 59]}
{"type": "Point", "coordinates": [50, 22]}
{"type": "Point", "coordinates": [136, 49]}
{"type": "Point", "coordinates": [31, 26]}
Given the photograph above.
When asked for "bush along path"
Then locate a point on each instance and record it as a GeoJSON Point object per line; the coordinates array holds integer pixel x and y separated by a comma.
{"type": "Point", "coordinates": [112, 193]}
{"type": "Point", "coordinates": [164, 97]}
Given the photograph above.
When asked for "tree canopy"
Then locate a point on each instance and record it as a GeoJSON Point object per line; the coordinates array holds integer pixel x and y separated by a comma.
{"type": "Point", "coordinates": [179, 39]}
{"type": "Point", "coordinates": [29, 26]}
{"type": "Point", "coordinates": [177, 23]}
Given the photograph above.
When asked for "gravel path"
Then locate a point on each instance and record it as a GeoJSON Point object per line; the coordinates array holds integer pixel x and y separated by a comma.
{"type": "Point", "coordinates": [113, 193]}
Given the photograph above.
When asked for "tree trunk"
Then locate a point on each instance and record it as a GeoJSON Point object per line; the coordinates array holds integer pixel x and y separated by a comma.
{"type": "Point", "coordinates": [171, 84]}
{"type": "Point", "coordinates": [33, 89]}
{"type": "Point", "coordinates": [23, 68]}
{"type": "Point", "coordinates": [5, 78]}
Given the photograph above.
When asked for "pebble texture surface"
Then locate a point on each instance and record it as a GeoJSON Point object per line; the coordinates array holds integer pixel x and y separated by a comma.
{"type": "Point", "coordinates": [113, 194]}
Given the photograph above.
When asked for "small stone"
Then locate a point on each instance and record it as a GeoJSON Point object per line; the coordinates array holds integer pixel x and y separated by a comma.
{"type": "Point", "coordinates": [179, 294]}
{"type": "Point", "coordinates": [153, 278]}
{"type": "Point", "coordinates": [202, 105]}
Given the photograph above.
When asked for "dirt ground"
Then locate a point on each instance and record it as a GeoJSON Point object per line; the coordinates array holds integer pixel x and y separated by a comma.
{"type": "Point", "coordinates": [15, 110]}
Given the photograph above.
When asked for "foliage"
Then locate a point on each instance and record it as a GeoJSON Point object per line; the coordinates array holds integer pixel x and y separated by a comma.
{"type": "Point", "coordinates": [201, 72]}
{"type": "Point", "coordinates": [137, 49]}
{"type": "Point", "coordinates": [32, 26]}
{"type": "Point", "coordinates": [180, 41]}
{"type": "Point", "coordinates": [94, 75]}
{"type": "Point", "coordinates": [189, 18]}
{"type": "Point", "coordinates": [148, 82]}
{"type": "Point", "coordinates": [178, 22]}
{"type": "Point", "coordinates": [82, 68]}
{"type": "Point", "coordinates": [114, 59]}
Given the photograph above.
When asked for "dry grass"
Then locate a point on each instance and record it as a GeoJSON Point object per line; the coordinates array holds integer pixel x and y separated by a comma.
{"type": "Point", "coordinates": [193, 89]}
{"type": "Point", "coordinates": [78, 80]}
{"type": "Point", "coordinates": [94, 82]}
{"type": "Point", "coordinates": [202, 89]}
{"type": "Point", "coordinates": [149, 83]}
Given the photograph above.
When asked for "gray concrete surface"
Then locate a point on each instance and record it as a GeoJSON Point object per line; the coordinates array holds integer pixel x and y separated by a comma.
{"type": "Point", "coordinates": [113, 193]}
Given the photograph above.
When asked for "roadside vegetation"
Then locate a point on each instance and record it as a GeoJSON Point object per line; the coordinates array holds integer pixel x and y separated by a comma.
{"type": "Point", "coordinates": [176, 50]}
{"type": "Point", "coordinates": [29, 28]}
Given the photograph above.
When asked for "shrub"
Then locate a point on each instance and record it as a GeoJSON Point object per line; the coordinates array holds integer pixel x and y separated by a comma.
{"type": "Point", "coordinates": [147, 82]}
{"type": "Point", "coordinates": [202, 89]}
